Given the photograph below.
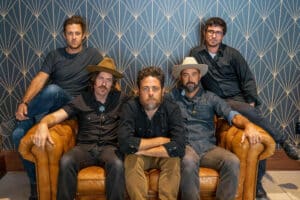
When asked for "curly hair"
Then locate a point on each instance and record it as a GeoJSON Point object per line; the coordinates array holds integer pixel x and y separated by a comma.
{"type": "Point", "coordinates": [153, 71]}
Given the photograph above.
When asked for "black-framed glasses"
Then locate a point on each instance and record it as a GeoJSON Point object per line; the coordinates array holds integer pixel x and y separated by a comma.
{"type": "Point", "coordinates": [212, 32]}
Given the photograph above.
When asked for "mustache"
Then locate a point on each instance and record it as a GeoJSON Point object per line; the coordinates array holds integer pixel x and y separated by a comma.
{"type": "Point", "coordinates": [102, 87]}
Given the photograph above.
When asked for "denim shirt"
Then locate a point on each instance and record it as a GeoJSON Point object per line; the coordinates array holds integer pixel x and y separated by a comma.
{"type": "Point", "coordinates": [229, 75]}
{"type": "Point", "coordinates": [166, 122]}
{"type": "Point", "coordinates": [198, 113]}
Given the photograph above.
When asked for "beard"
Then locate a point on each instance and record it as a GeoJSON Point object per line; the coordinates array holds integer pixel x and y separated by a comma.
{"type": "Point", "coordinates": [191, 86]}
{"type": "Point", "coordinates": [151, 104]}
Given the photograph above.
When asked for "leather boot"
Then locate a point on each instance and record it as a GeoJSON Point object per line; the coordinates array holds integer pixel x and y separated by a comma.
{"type": "Point", "coordinates": [261, 193]}
{"type": "Point", "coordinates": [33, 192]}
{"type": "Point", "coordinates": [291, 149]}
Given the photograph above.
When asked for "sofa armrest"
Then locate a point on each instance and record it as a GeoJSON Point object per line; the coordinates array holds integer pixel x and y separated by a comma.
{"type": "Point", "coordinates": [47, 161]}
{"type": "Point", "coordinates": [229, 137]}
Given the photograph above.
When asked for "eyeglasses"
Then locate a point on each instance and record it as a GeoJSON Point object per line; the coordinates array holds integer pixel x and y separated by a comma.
{"type": "Point", "coordinates": [212, 32]}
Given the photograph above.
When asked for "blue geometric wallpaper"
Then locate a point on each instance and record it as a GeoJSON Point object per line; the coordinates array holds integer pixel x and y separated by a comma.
{"type": "Point", "coordinates": [137, 33]}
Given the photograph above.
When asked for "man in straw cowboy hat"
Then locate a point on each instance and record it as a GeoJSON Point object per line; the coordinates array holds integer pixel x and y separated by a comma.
{"type": "Point", "coordinates": [199, 107]}
{"type": "Point", "coordinates": [97, 111]}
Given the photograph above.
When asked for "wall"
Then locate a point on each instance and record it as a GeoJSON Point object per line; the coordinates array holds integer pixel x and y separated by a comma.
{"type": "Point", "coordinates": [155, 32]}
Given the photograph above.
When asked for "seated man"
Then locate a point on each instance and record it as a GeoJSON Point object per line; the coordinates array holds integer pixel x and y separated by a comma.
{"type": "Point", "coordinates": [151, 134]}
{"type": "Point", "coordinates": [230, 77]}
{"type": "Point", "coordinates": [65, 69]}
{"type": "Point", "coordinates": [198, 108]}
{"type": "Point", "coordinates": [96, 142]}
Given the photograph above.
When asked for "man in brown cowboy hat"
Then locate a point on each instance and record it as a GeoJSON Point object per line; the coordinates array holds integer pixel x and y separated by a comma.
{"type": "Point", "coordinates": [96, 143]}
{"type": "Point", "coordinates": [199, 107]}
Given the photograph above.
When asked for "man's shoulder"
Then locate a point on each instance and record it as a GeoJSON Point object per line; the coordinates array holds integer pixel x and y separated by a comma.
{"type": "Point", "coordinates": [197, 49]}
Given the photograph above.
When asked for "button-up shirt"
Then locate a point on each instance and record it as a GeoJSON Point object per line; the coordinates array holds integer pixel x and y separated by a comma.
{"type": "Point", "coordinates": [229, 75]}
{"type": "Point", "coordinates": [166, 122]}
{"type": "Point", "coordinates": [198, 114]}
{"type": "Point", "coordinates": [97, 122]}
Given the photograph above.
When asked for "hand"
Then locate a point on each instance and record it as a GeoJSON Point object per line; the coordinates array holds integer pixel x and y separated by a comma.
{"type": "Point", "coordinates": [252, 133]}
{"type": "Point", "coordinates": [21, 113]}
{"type": "Point", "coordinates": [42, 136]}
{"type": "Point", "coordinates": [252, 104]}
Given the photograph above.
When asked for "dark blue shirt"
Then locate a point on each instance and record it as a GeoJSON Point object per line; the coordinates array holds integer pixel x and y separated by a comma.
{"type": "Point", "coordinates": [166, 122]}
{"type": "Point", "coordinates": [229, 75]}
{"type": "Point", "coordinates": [198, 115]}
{"type": "Point", "coordinates": [68, 71]}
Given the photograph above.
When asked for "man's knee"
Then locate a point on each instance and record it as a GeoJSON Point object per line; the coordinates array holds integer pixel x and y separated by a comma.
{"type": "Point", "coordinates": [51, 89]}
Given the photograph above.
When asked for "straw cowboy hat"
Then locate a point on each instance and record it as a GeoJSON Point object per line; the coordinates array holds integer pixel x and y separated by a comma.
{"type": "Point", "coordinates": [189, 62]}
{"type": "Point", "coordinates": [106, 65]}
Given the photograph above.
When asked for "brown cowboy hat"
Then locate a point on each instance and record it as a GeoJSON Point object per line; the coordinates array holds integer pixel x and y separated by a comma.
{"type": "Point", "coordinates": [187, 63]}
{"type": "Point", "coordinates": [106, 65]}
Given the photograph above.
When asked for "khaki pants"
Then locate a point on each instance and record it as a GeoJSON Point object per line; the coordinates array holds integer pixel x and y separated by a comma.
{"type": "Point", "coordinates": [136, 181]}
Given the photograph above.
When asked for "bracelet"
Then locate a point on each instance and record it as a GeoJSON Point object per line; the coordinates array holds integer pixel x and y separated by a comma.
{"type": "Point", "coordinates": [24, 102]}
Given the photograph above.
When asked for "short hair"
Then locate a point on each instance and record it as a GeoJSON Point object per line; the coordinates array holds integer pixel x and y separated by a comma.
{"type": "Point", "coordinates": [153, 71]}
{"type": "Point", "coordinates": [216, 21]}
{"type": "Point", "coordinates": [75, 19]}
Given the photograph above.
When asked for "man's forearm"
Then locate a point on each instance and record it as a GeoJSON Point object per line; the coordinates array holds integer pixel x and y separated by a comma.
{"type": "Point", "coordinates": [159, 151]}
{"type": "Point", "coordinates": [148, 143]}
{"type": "Point", "coordinates": [240, 121]}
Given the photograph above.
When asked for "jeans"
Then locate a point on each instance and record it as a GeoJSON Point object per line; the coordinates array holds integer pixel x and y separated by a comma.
{"type": "Point", "coordinates": [137, 182]}
{"type": "Point", "coordinates": [223, 161]}
{"type": "Point", "coordinates": [255, 116]}
{"type": "Point", "coordinates": [78, 158]}
{"type": "Point", "coordinates": [51, 98]}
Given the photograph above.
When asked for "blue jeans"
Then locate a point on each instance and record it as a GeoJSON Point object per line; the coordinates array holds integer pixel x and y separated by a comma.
{"type": "Point", "coordinates": [78, 158]}
{"type": "Point", "coordinates": [255, 116]}
{"type": "Point", "coordinates": [223, 161]}
{"type": "Point", "coordinates": [51, 98]}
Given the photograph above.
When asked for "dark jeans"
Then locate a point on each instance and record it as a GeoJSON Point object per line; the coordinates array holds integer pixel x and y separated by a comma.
{"type": "Point", "coordinates": [48, 100]}
{"type": "Point", "coordinates": [223, 161]}
{"type": "Point", "coordinates": [255, 116]}
{"type": "Point", "coordinates": [78, 158]}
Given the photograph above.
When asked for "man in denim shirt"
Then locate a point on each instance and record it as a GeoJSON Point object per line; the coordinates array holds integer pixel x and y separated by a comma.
{"type": "Point", "coordinates": [151, 134]}
{"type": "Point", "coordinates": [230, 77]}
{"type": "Point", "coordinates": [198, 109]}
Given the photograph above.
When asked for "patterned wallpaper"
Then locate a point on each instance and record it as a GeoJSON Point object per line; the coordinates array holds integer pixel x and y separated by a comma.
{"type": "Point", "coordinates": [137, 33]}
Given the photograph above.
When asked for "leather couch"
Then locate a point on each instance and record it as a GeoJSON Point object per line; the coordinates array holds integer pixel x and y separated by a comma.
{"type": "Point", "coordinates": [91, 180]}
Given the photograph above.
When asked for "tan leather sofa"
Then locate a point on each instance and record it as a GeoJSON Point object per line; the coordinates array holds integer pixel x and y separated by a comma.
{"type": "Point", "coordinates": [91, 183]}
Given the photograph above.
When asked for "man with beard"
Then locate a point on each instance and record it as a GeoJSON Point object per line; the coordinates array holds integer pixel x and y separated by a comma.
{"type": "Point", "coordinates": [64, 69]}
{"type": "Point", "coordinates": [97, 111]}
{"type": "Point", "coordinates": [230, 77]}
{"type": "Point", "coordinates": [151, 135]}
{"type": "Point", "coordinates": [198, 108]}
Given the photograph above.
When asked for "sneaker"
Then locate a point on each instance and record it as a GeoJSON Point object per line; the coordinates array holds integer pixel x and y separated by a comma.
{"type": "Point", "coordinates": [261, 193]}
{"type": "Point", "coordinates": [291, 150]}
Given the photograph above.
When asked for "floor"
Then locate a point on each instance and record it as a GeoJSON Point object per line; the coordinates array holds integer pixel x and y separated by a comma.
{"type": "Point", "coordinates": [280, 185]}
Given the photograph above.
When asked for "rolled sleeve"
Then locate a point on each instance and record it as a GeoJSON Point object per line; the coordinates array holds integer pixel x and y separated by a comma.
{"type": "Point", "coordinates": [231, 116]}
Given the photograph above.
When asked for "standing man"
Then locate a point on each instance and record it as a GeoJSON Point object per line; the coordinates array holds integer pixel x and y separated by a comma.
{"type": "Point", "coordinates": [230, 78]}
{"type": "Point", "coordinates": [97, 112]}
{"type": "Point", "coordinates": [151, 135]}
{"type": "Point", "coordinates": [198, 108]}
{"type": "Point", "coordinates": [65, 69]}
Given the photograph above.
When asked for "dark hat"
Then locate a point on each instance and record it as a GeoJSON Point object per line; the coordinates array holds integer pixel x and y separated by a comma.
{"type": "Point", "coordinates": [189, 62]}
{"type": "Point", "coordinates": [106, 65]}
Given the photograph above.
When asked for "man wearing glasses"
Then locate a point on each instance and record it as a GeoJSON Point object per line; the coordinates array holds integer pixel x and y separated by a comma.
{"type": "Point", "coordinates": [230, 77]}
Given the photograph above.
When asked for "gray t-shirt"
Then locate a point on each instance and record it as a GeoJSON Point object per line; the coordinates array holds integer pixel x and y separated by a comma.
{"type": "Point", "coordinates": [69, 70]}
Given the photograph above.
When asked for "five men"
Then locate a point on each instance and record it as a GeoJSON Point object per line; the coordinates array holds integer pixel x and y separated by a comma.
{"type": "Point", "coordinates": [152, 132]}
{"type": "Point", "coordinates": [199, 108]}
{"type": "Point", "coordinates": [151, 135]}
{"type": "Point", "coordinates": [230, 77]}
{"type": "Point", "coordinates": [97, 112]}
{"type": "Point", "coordinates": [65, 68]}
